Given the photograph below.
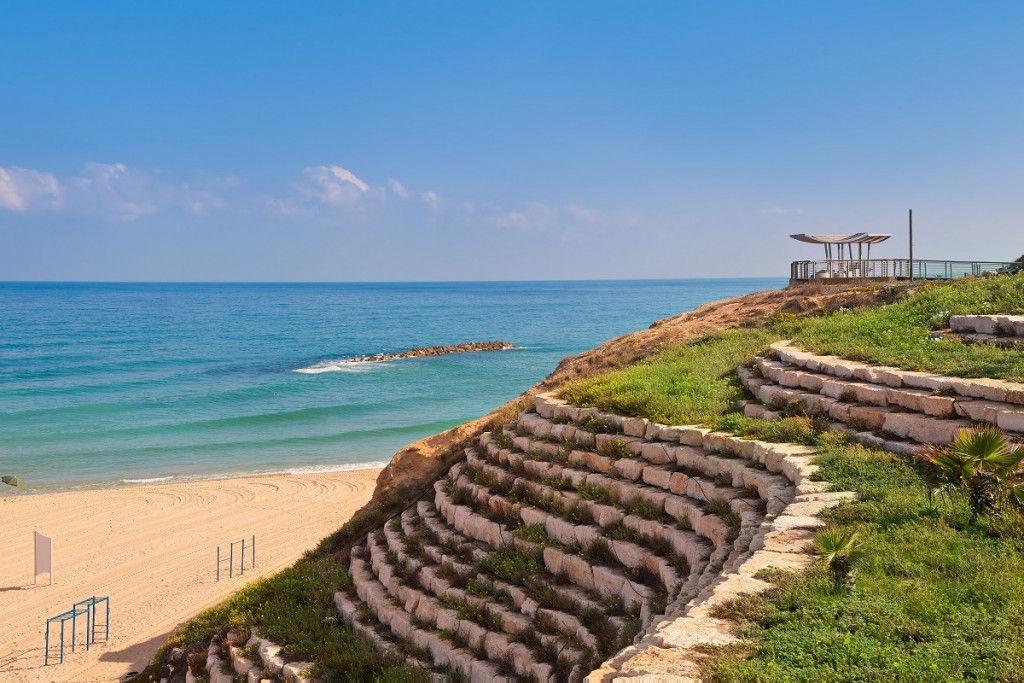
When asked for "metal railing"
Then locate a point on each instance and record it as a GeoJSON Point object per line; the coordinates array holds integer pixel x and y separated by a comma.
{"type": "Point", "coordinates": [898, 269]}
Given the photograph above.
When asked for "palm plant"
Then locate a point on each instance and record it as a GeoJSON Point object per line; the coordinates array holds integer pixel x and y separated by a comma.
{"type": "Point", "coordinates": [840, 551]}
{"type": "Point", "coordinates": [982, 467]}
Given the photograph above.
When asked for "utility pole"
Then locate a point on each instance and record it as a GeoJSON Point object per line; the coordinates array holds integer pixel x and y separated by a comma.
{"type": "Point", "coordinates": [910, 219]}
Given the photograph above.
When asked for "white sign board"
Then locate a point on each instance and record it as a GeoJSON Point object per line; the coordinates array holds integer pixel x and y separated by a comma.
{"type": "Point", "coordinates": [44, 556]}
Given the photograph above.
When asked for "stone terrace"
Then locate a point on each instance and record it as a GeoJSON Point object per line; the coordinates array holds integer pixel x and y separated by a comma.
{"type": "Point", "coordinates": [999, 330]}
{"type": "Point", "coordinates": [578, 544]}
{"type": "Point", "coordinates": [899, 410]}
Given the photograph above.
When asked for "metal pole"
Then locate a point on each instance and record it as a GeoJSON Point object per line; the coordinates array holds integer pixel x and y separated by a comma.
{"type": "Point", "coordinates": [62, 641]}
{"type": "Point", "coordinates": [910, 225]}
{"type": "Point", "coordinates": [46, 656]}
{"type": "Point", "coordinates": [243, 557]}
{"type": "Point", "coordinates": [108, 618]}
{"type": "Point", "coordinates": [231, 562]}
{"type": "Point", "coordinates": [88, 628]}
{"type": "Point", "coordinates": [74, 627]}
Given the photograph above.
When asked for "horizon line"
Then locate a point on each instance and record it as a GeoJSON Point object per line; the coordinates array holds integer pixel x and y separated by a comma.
{"type": "Point", "coordinates": [374, 282]}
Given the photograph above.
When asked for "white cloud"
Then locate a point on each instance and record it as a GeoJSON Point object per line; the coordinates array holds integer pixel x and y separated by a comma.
{"type": "Point", "coordinates": [431, 199]}
{"type": "Point", "coordinates": [22, 189]}
{"type": "Point", "coordinates": [582, 213]}
{"type": "Point", "coordinates": [398, 188]}
{"type": "Point", "coordinates": [332, 185]}
{"type": "Point", "coordinates": [109, 190]}
{"type": "Point", "coordinates": [511, 219]}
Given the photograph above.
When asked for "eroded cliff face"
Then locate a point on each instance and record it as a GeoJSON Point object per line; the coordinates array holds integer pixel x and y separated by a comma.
{"type": "Point", "coordinates": [414, 468]}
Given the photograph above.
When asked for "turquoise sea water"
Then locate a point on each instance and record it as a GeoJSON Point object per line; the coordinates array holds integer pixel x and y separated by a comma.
{"type": "Point", "coordinates": [105, 384]}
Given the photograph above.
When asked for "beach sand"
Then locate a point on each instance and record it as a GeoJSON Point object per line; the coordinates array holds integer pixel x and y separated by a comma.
{"type": "Point", "coordinates": [152, 549]}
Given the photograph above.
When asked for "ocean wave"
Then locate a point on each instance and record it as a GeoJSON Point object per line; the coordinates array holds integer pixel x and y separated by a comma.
{"type": "Point", "coordinates": [151, 480]}
{"type": "Point", "coordinates": [342, 365]}
{"type": "Point", "coordinates": [323, 469]}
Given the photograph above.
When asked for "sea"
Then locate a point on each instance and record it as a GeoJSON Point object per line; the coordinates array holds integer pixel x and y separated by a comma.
{"type": "Point", "coordinates": [113, 384]}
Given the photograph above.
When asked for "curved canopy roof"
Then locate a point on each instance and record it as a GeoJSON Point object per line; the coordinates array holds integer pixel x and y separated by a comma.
{"type": "Point", "coordinates": [855, 238]}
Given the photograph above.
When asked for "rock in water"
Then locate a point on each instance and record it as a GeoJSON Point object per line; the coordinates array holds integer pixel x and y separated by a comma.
{"type": "Point", "coordinates": [12, 480]}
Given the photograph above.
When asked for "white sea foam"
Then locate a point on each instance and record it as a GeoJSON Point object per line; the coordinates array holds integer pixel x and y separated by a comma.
{"type": "Point", "coordinates": [152, 480]}
{"type": "Point", "coordinates": [323, 469]}
{"type": "Point", "coordinates": [340, 366]}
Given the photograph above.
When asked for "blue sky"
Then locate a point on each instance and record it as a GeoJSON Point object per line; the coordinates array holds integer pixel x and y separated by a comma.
{"type": "Point", "coordinates": [482, 140]}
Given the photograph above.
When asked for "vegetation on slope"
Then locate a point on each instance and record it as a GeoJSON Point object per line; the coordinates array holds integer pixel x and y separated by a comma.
{"type": "Point", "coordinates": [688, 383]}
{"type": "Point", "coordinates": [941, 594]}
{"type": "Point", "coordinates": [934, 581]}
{"type": "Point", "coordinates": [900, 334]}
{"type": "Point", "coordinates": [295, 608]}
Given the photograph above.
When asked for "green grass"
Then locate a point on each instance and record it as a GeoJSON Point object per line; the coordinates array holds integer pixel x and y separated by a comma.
{"type": "Point", "coordinates": [296, 607]}
{"type": "Point", "coordinates": [684, 384]}
{"type": "Point", "coordinates": [696, 382]}
{"type": "Point", "coordinates": [899, 334]}
{"type": "Point", "coordinates": [938, 598]}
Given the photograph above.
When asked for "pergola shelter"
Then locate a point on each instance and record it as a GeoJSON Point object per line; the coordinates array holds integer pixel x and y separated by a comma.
{"type": "Point", "coordinates": [840, 241]}
{"type": "Point", "coordinates": [843, 263]}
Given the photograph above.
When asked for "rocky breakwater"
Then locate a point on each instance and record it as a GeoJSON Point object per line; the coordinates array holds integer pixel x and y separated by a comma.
{"type": "Point", "coordinates": [428, 351]}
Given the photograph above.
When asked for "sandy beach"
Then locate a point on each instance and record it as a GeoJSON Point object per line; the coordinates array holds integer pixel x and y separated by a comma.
{"type": "Point", "coordinates": [152, 550]}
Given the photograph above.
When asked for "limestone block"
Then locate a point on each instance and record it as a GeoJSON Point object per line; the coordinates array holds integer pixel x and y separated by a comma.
{"type": "Point", "coordinates": [871, 417]}
{"type": "Point", "coordinates": [606, 581]}
{"type": "Point", "coordinates": [1011, 420]}
{"type": "Point", "coordinates": [681, 508]}
{"type": "Point", "coordinates": [562, 531]}
{"type": "Point", "coordinates": [270, 655]}
{"type": "Point", "coordinates": [578, 571]}
{"type": "Point", "coordinates": [658, 453]}
{"type": "Point", "coordinates": [240, 664]}
{"type": "Point", "coordinates": [586, 535]}
{"type": "Point", "coordinates": [629, 468]}
{"type": "Point", "coordinates": [691, 436]}
{"type": "Point", "coordinates": [766, 558]}
{"type": "Point", "coordinates": [786, 541]}
{"type": "Point", "coordinates": [294, 672]}
{"type": "Point", "coordinates": [979, 411]}
{"type": "Point", "coordinates": [598, 463]}
{"type": "Point", "coordinates": [656, 476]}
{"type": "Point", "coordinates": [789, 522]}
{"type": "Point", "coordinates": [629, 554]}
{"type": "Point", "coordinates": [691, 456]}
{"type": "Point", "coordinates": [554, 560]}
{"type": "Point", "coordinates": [871, 394]}
{"type": "Point", "coordinates": [635, 426]}
{"type": "Point", "coordinates": [797, 468]}
{"type": "Point", "coordinates": [938, 406]}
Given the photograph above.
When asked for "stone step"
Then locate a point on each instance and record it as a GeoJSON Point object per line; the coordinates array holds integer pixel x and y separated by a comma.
{"type": "Point", "coordinates": [624, 473]}
{"type": "Point", "coordinates": [607, 582]}
{"type": "Point", "coordinates": [1012, 342]}
{"type": "Point", "coordinates": [791, 460]}
{"type": "Point", "coordinates": [582, 536]}
{"type": "Point", "coordinates": [683, 541]}
{"type": "Point", "coordinates": [996, 390]}
{"type": "Point", "coordinates": [680, 505]}
{"type": "Point", "coordinates": [581, 600]}
{"type": "Point", "coordinates": [908, 413]}
{"type": "Point", "coordinates": [512, 622]}
{"type": "Point", "coordinates": [1002, 325]}
{"type": "Point", "coordinates": [443, 652]}
{"type": "Point", "coordinates": [383, 639]}
{"type": "Point", "coordinates": [656, 457]}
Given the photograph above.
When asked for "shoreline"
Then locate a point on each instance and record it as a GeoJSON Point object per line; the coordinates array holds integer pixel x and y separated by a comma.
{"type": "Point", "coordinates": [151, 547]}
{"type": "Point", "coordinates": [7, 491]}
